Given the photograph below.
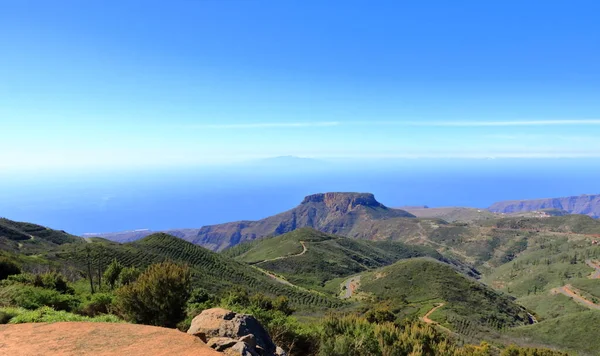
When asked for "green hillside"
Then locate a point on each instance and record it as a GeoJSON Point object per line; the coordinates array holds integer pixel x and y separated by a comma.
{"type": "Point", "coordinates": [555, 256]}
{"type": "Point", "coordinates": [415, 285]}
{"type": "Point", "coordinates": [213, 272]}
{"type": "Point", "coordinates": [311, 258]}
{"type": "Point", "coordinates": [26, 238]}
{"type": "Point", "coordinates": [575, 332]}
{"type": "Point", "coordinates": [579, 224]}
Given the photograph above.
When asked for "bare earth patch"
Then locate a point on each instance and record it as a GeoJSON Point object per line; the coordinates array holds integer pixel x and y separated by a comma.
{"type": "Point", "coordinates": [81, 338]}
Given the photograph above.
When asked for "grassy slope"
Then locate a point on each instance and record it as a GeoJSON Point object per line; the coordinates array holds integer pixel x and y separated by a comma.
{"type": "Point", "coordinates": [213, 272]}
{"type": "Point", "coordinates": [580, 224]}
{"type": "Point", "coordinates": [551, 260]}
{"type": "Point", "coordinates": [577, 332]}
{"type": "Point", "coordinates": [27, 239]}
{"type": "Point", "coordinates": [327, 257]}
{"type": "Point", "coordinates": [556, 252]}
{"type": "Point", "coordinates": [423, 281]}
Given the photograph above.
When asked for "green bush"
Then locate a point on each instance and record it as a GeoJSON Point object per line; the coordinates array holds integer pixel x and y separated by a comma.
{"type": "Point", "coordinates": [99, 303]}
{"type": "Point", "coordinates": [158, 297]}
{"type": "Point", "coordinates": [513, 350]}
{"type": "Point", "coordinates": [53, 280]}
{"type": "Point", "coordinates": [49, 315]}
{"type": "Point", "coordinates": [112, 273]}
{"type": "Point", "coordinates": [8, 313]}
{"type": "Point", "coordinates": [282, 304]}
{"type": "Point", "coordinates": [128, 275]}
{"type": "Point", "coordinates": [261, 301]}
{"type": "Point", "coordinates": [23, 278]}
{"type": "Point", "coordinates": [30, 297]}
{"type": "Point", "coordinates": [8, 268]}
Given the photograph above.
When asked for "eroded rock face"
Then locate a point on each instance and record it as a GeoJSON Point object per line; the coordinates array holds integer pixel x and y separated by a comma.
{"type": "Point", "coordinates": [233, 333]}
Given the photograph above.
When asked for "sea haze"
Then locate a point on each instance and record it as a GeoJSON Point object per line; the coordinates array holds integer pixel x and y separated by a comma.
{"type": "Point", "coordinates": [84, 202]}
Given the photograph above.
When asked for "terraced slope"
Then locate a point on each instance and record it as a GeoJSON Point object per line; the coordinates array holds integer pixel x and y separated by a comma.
{"type": "Point", "coordinates": [213, 272]}
{"type": "Point", "coordinates": [311, 258]}
{"type": "Point", "coordinates": [416, 285]}
{"type": "Point", "coordinates": [27, 239]}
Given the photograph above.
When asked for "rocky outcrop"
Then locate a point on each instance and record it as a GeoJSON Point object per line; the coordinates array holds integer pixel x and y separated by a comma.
{"type": "Point", "coordinates": [355, 215]}
{"type": "Point", "coordinates": [233, 333]}
{"type": "Point", "coordinates": [336, 213]}
{"type": "Point", "coordinates": [583, 204]}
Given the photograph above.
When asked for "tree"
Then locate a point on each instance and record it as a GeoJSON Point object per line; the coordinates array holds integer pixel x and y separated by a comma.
{"type": "Point", "coordinates": [128, 275]}
{"type": "Point", "coordinates": [158, 297]}
{"type": "Point", "coordinates": [8, 268]}
{"type": "Point", "coordinates": [112, 273]}
{"type": "Point", "coordinates": [88, 257]}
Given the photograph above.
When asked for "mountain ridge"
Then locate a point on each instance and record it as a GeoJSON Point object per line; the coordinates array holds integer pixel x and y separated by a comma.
{"type": "Point", "coordinates": [335, 212]}
{"type": "Point", "coordinates": [586, 204]}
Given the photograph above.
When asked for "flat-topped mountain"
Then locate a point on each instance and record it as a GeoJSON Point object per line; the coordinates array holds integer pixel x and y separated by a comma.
{"type": "Point", "coordinates": [347, 214]}
{"type": "Point", "coordinates": [336, 213]}
{"type": "Point", "coordinates": [582, 204]}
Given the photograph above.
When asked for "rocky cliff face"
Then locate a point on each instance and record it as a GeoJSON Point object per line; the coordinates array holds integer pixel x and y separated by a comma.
{"type": "Point", "coordinates": [337, 213]}
{"type": "Point", "coordinates": [356, 215]}
{"type": "Point", "coordinates": [583, 204]}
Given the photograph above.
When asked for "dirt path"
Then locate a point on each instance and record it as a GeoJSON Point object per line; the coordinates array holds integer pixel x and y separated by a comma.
{"type": "Point", "coordinates": [304, 249]}
{"type": "Point", "coordinates": [427, 320]}
{"type": "Point", "coordinates": [351, 285]}
{"type": "Point", "coordinates": [101, 339]}
{"type": "Point", "coordinates": [596, 267]}
{"type": "Point", "coordinates": [278, 279]}
{"type": "Point", "coordinates": [425, 317]}
{"type": "Point", "coordinates": [569, 291]}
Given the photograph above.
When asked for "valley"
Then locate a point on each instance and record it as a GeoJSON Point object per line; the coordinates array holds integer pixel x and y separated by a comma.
{"type": "Point", "coordinates": [477, 276]}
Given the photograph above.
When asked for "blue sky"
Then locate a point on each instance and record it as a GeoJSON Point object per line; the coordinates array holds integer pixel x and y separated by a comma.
{"type": "Point", "coordinates": [148, 83]}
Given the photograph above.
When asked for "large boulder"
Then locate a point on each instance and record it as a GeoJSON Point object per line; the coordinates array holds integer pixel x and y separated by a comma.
{"type": "Point", "coordinates": [236, 334]}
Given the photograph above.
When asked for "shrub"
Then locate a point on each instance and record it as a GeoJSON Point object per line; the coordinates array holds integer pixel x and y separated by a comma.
{"type": "Point", "coordinates": [8, 268]}
{"type": "Point", "coordinates": [30, 297]}
{"type": "Point", "coordinates": [380, 315]}
{"type": "Point", "coordinates": [236, 297]}
{"type": "Point", "coordinates": [23, 278]}
{"type": "Point", "coordinates": [158, 297]}
{"type": "Point", "coordinates": [99, 303]}
{"type": "Point", "coordinates": [6, 314]}
{"type": "Point", "coordinates": [261, 301]}
{"type": "Point", "coordinates": [52, 280]}
{"type": "Point", "coordinates": [128, 275]}
{"type": "Point", "coordinates": [282, 304]}
{"type": "Point", "coordinates": [49, 315]}
{"type": "Point", "coordinates": [112, 273]}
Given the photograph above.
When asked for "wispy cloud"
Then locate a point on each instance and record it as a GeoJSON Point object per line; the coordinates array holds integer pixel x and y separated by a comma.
{"type": "Point", "coordinates": [542, 137]}
{"type": "Point", "coordinates": [267, 125]}
{"type": "Point", "coordinates": [482, 123]}
{"type": "Point", "coordinates": [424, 123]}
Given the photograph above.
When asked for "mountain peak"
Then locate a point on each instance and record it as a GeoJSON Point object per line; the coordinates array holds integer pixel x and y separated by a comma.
{"type": "Point", "coordinates": [345, 199]}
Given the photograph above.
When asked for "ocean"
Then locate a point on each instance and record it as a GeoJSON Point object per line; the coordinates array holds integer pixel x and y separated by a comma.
{"type": "Point", "coordinates": [92, 202]}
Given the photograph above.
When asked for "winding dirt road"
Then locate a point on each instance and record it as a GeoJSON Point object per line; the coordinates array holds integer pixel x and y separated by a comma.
{"type": "Point", "coordinates": [304, 249]}
{"type": "Point", "coordinates": [569, 291]}
{"type": "Point", "coordinates": [351, 285]}
{"type": "Point", "coordinates": [596, 267]}
{"type": "Point", "coordinates": [425, 317]}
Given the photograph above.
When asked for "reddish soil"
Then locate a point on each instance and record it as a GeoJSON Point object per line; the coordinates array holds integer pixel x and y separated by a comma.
{"type": "Point", "coordinates": [426, 316]}
{"type": "Point", "coordinates": [569, 291]}
{"type": "Point", "coordinates": [102, 339]}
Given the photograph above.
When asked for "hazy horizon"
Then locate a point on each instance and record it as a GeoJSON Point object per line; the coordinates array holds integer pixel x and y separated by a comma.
{"type": "Point", "coordinates": [123, 115]}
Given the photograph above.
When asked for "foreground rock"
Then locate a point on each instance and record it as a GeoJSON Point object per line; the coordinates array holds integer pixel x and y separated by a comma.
{"type": "Point", "coordinates": [233, 333]}
{"type": "Point", "coordinates": [103, 339]}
